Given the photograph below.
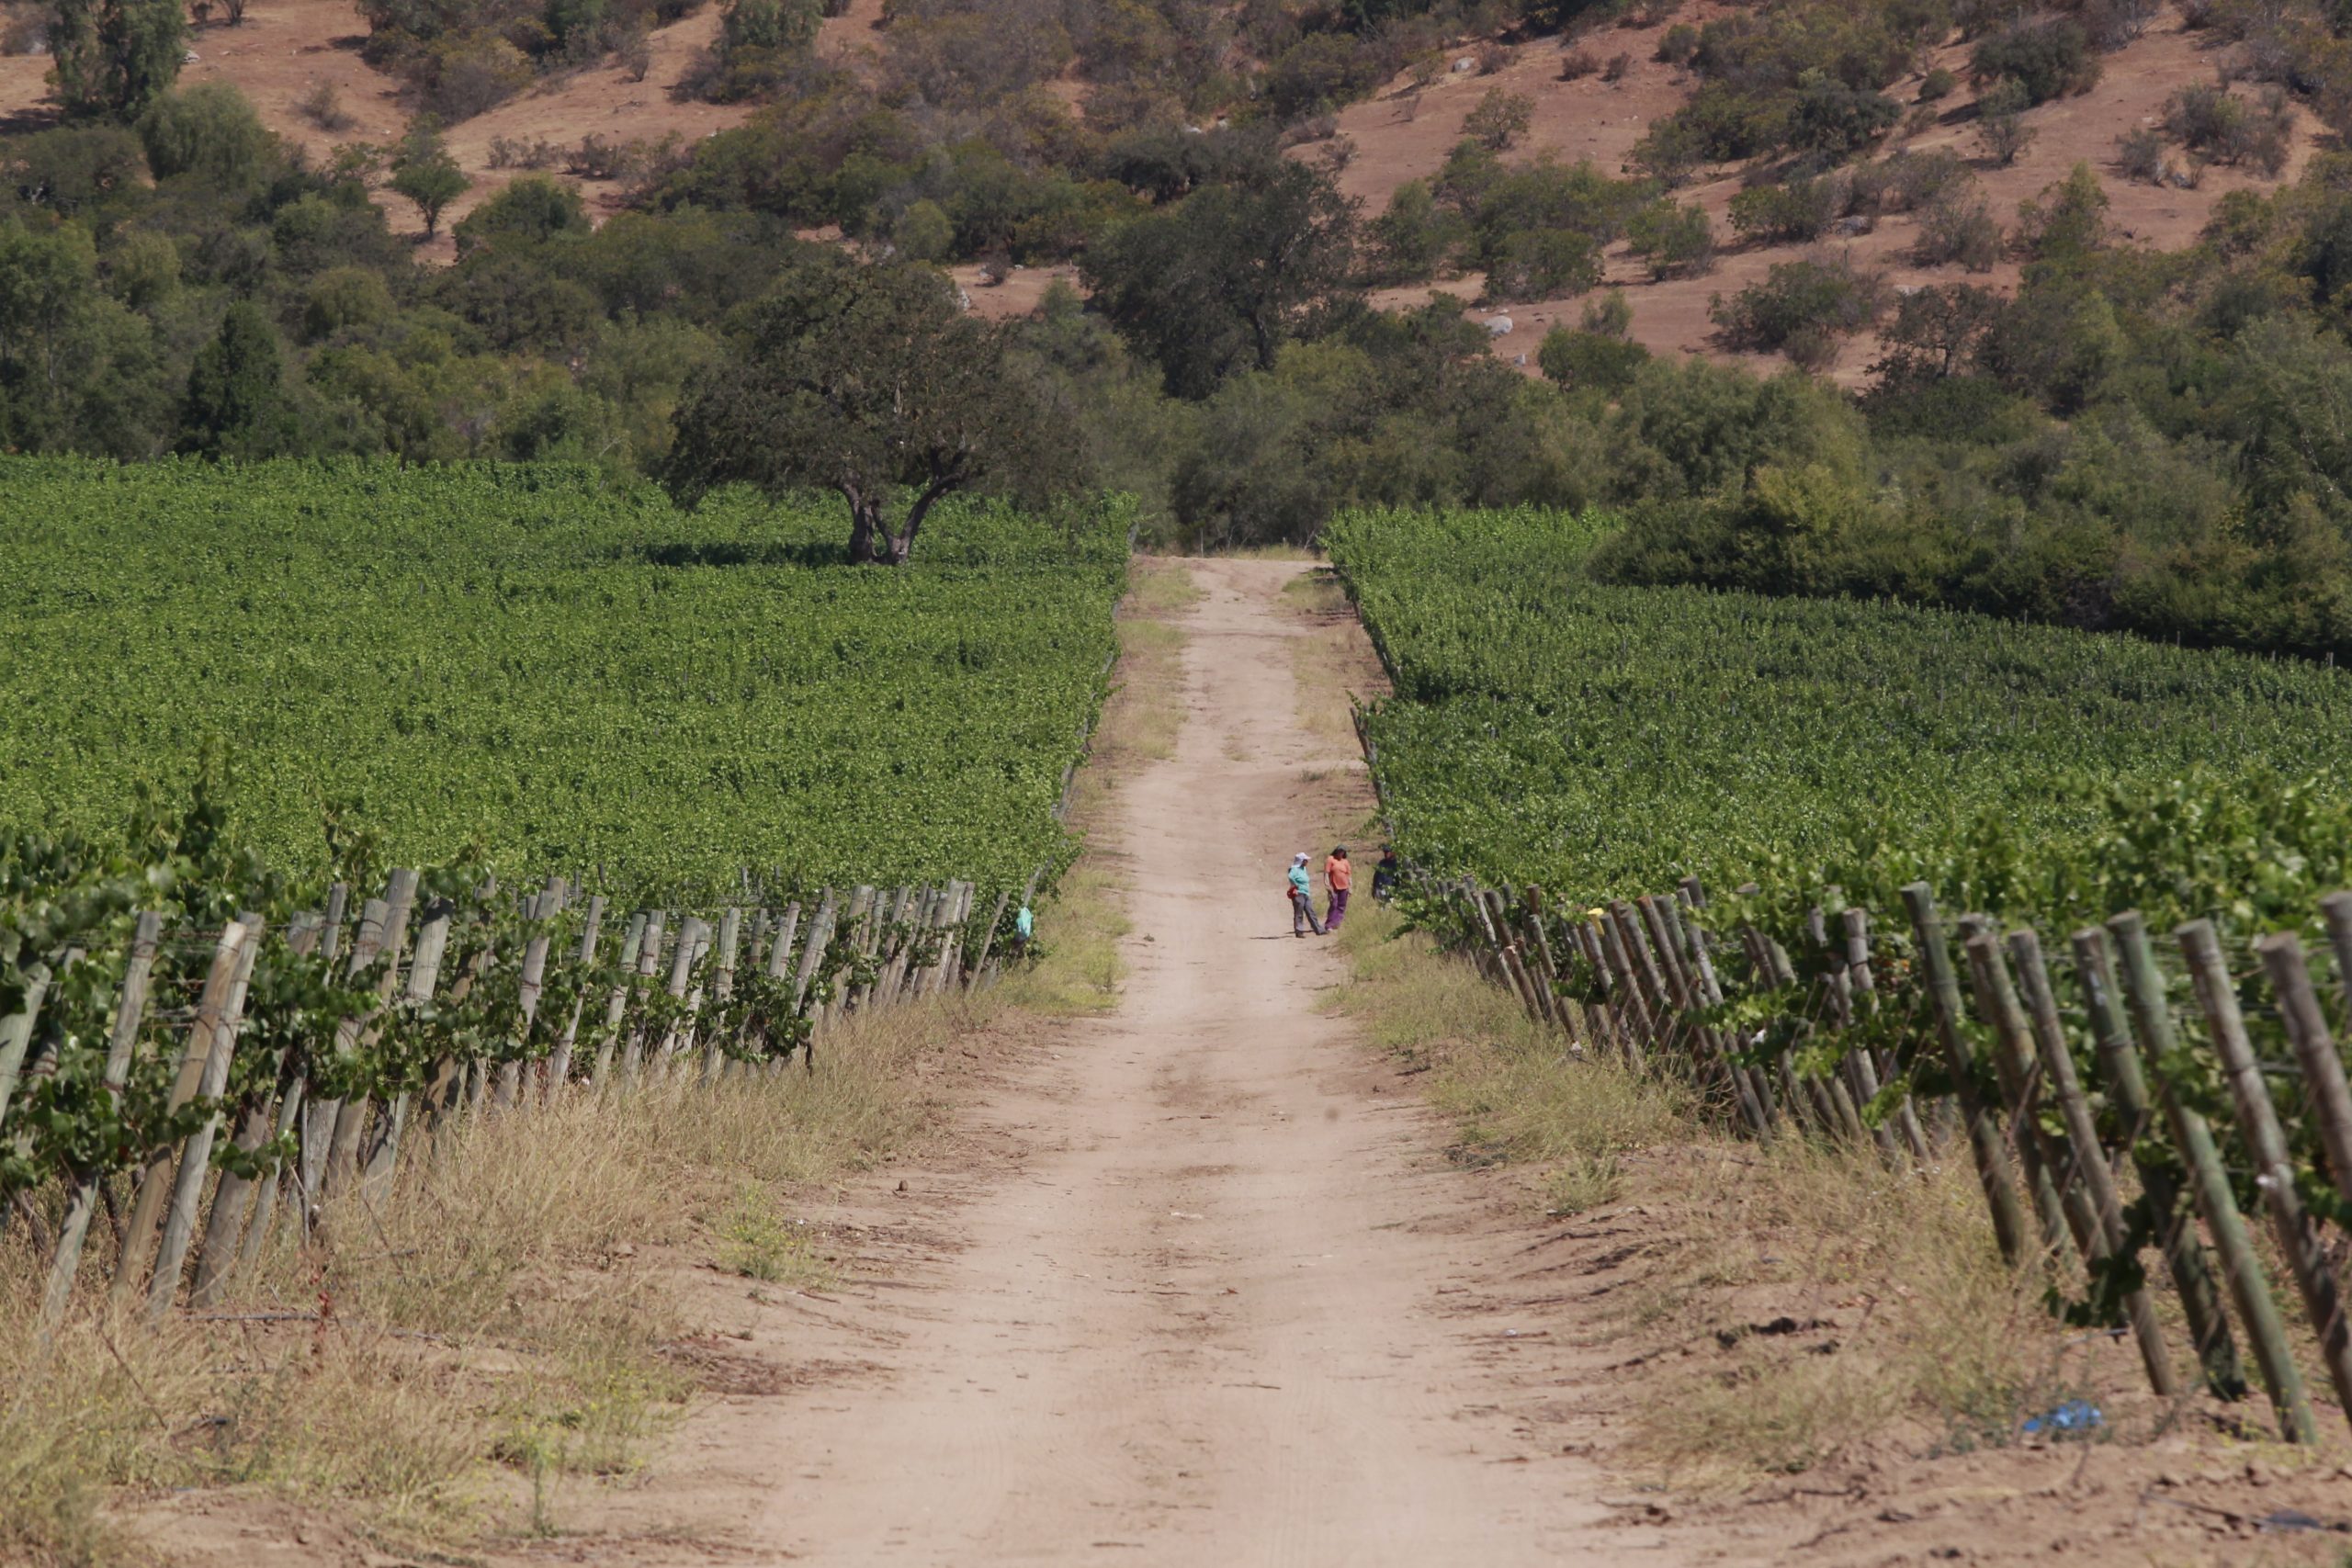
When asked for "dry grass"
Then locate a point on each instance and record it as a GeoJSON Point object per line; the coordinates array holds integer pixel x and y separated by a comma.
{"type": "Point", "coordinates": [452, 1352]}
{"type": "Point", "coordinates": [1924, 1336]}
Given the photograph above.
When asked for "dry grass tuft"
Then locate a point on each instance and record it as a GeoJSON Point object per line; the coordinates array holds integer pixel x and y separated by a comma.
{"type": "Point", "coordinates": [452, 1351]}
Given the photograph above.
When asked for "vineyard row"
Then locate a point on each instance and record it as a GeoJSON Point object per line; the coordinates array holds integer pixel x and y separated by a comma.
{"type": "Point", "coordinates": [1848, 1034]}
{"type": "Point", "coordinates": [288, 1065]}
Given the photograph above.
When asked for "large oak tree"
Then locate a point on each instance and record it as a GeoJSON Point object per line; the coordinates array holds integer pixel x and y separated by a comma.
{"type": "Point", "coordinates": [871, 381]}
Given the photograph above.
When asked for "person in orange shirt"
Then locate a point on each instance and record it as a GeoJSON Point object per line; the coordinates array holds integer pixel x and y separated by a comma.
{"type": "Point", "coordinates": [1336, 874]}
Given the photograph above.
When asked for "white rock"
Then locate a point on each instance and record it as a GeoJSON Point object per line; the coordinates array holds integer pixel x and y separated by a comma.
{"type": "Point", "coordinates": [1464, 66]}
{"type": "Point", "coordinates": [1498, 326]}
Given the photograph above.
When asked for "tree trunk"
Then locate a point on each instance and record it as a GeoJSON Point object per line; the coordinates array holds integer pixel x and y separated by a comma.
{"type": "Point", "coordinates": [867, 536]}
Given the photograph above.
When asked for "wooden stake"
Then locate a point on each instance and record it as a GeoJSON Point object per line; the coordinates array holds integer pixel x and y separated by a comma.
{"type": "Point", "coordinates": [2143, 993]}
{"type": "Point", "coordinates": [1984, 1136]}
{"type": "Point", "coordinates": [2273, 1169]}
{"type": "Point", "coordinates": [216, 1036]}
{"type": "Point", "coordinates": [82, 1192]}
{"type": "Point", "coordinates": [2160, 1175]}
{"type": "Point", "coordinates": [2090, 1159]}
{"type": "Point", "coordinates": [2282, 958]}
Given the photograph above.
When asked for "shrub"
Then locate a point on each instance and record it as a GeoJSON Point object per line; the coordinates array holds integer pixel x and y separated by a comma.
{"type": "Point", "coordinates": [466, 74]}
{"type": "Point", "coordinates": [1677, 44]}
{"type": "Point", "coordinates": [1801, 308]}
{"type": "Point", "coordinates": [1910, 180]}
{"type": "Point", "coordinates": [1675, 240]}
{"type": "Point", "coordinates": [323, 107]}
{"type": "Point", "coordinates": [1541, 263]}
{"type": "Point", "coordinates": [2001, 128]}
{"type": "Point", "coordinates": [1491, 56]}
{"type": "Point", "coordinates": [514, 153]}
{"type": "Point", "coordinates": [1938, 84]}
{"type": "Point", "coordinates": [2048, 58]}
{"type": "Point", "coordinates": [1800, 210]}
{"type": "Point", "coordinates": [1835, 120]}
{"type": "Point", "coordinates": [1601, 362]}
{"type": "Point", "coordinates": [1617, 67]}
{"type": "Point", "coordinates": [923, 232]}
{"type": "Point", "coordinates": [1411, 237]}
{"type": "Point", "coordinates": [1958, 227]}
{"type": "Point", "coordinates": [1321, 71]}
{"type": "Point", "coordinates": [1501, 119]}
{"type": "Point", "coordinates": [1577, 63]}
{"type": "Point", "coordinates": [2208, 121]}
{"type": "Point", "coordinates": [2140, 155]}
{"type": "Point", "coordinates": [2067, 219]}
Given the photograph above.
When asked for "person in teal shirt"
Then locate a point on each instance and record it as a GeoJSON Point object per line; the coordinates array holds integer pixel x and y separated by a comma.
{"type": "Point", "coordinates": [1302, 898]}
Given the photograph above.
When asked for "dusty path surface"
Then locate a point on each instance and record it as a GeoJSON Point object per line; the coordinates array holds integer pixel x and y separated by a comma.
{"type": "Point", "coordinates": [1210, 1307]}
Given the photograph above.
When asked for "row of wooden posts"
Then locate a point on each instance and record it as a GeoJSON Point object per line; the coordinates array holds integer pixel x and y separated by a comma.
{"type": "Point", "coordinates": [1643, 980]}
{"type": "Point", "coordinates": [666, 1016]}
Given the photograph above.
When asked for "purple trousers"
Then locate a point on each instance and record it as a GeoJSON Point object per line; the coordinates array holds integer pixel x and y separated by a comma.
{"type": "Point", "coordinates": [1338, 911]}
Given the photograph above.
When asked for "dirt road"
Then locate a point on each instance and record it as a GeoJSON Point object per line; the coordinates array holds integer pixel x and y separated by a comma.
{"type": "Point", "coordinates": [1206, 1319]}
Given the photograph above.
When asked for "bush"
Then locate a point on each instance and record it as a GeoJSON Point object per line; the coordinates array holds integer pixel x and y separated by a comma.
{"type": "Point", "coordinates": [2140, 155]}
{"type": "Point", "coordinates": [1501, 119]}
{"type": "Point", "coordinates": [1938, 84]}
{"type": "Point", "coordinates": [210, 133]}
{"type": "Point", "coordinates": [1800, 210]}
{"type": "Point", "coordinates": [1617, 67]}
{"type": "Point", "coordinates": [1542, 263]}
{"type": "Point", "coordinates": [1320, 72]}
{"type": "Point", "coordinates": [1491, 56]}
{"type": "Point", "coordinates": [2068, 218]}
{"type": "Point", "coordinates": [323, 107]}
{"type": "Point", "coordinates": [1411, 237]}
{"type": "Point", "coordinates": [1677, 44]}
{"type": "Point", "coordinates": [1958, 227]}
{"type": "Point", "coordinates": [1831, 120]}
{"type": "Point", "coordinates": [2048, 58]}
{"type": "Point", "coordinates": [1802, 309]}
{"type": "Point", "coordinates": [2208, 120]}
{"type": "Point", "coordinates": [467, 74]}
{"type": "Point", "coordinates": [1590, 361]}
{"type": "Point", "coordinates": [1908, 180]}
{"type": "Point", "coordinates": [1577, 64]}
{"type": "Point", "coordinates": [2001, 128]}
{"type": "Point", "coordinates": [1675, 240]}
{"type": "Point", "coordinates": [923, 232]}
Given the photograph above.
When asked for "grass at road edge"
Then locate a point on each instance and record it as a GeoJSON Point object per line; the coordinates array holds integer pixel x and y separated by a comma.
{"type": "Point", "coordinates": [1924, 1339]}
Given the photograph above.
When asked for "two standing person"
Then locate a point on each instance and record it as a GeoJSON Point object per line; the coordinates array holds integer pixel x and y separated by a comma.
{"type": "Point", "coordinates": [1337, 875]}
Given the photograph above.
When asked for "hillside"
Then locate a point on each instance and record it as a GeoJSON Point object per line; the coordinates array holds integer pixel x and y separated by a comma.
{"type": "Point", "coordinates": [1405, 133]}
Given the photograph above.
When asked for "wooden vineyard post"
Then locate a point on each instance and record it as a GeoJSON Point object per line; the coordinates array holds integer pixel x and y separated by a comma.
{"type": "Point", "coordinates": [2090, 1159]}
{"type": "Point", "coordinates": [812, 957]}
{"type": "Point", "coordinates": [2143, 993]}
{"type": "Point", "coordinates": [1857, 921]}
{"type": "Point", "coordinates": [986, 952]}
{"type": "Point", "coordinates": [155, 1180]}
{"type": "Point", "coordinates": [82, 1193]}
{"type": "Point", "coordinates": [682, 967]}
{"type": "Point", "coordinates": [1983, 1137]}
{"type": "Point", "coordinates": [294, 1103]}
{"type": "Point", "coordinates": [1633, 1012]}
{"type": "Point", "coordinates": [2046, 1161]}
{"type": "Point", "coordinates": [528, 986]}
{"type": "Point", "coordinates": [16, 1032]}
{"type": "Point", "coordinates": [423, 975]}
{"type": "Point", "coordinates": [215, 1038]}
{"type": "Point", "coordinates": [1692, 896]}
{"type": "Point", "coordinates": [2315, 1052]}
{"type": "Point", "coordinates": [1688, 946]}
{"type": "Point", "coordinates": [779, 959]}
{"type": "Point", "coordinates": [1855, 1072]}
{"type": "Point", "coordinates": [730, 935]}
{"type": "Point", "coordinates": [649, 959]}
{"type": "Point", "coordinates": [616, 1004]}
{"type": "Point", "coordinates": [2273, 1169]}
{"type": "Point", "coordinates": [1506, 954]}
{"type": "Point", "coordinates": [2208, 1325]}
{"type": "Point", "coordinates": [351, 1116]}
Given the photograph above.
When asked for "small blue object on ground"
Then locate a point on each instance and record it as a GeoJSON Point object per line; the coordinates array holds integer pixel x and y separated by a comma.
{"type": "Point", "coordinates": [2072, 1415]}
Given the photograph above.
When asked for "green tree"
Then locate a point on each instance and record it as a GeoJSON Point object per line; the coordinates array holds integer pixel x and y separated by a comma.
{"type": "Point", "coordinates": [869, 381]}
{"type": "Point", "coordinates": [237, 405]}
{"type": "Point", "coordinates": [1230, 275]}
{"type": "Point", "coordinates": [208, 131]}
{"type": "Point", "coordinates": [426, 174]}
{"type": "Point", "coordinates": [114, 56]}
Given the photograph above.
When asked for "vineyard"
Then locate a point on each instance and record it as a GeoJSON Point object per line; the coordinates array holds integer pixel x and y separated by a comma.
{"type": "Point", "coordinates": [342, 808]}
{"type": "Point", "coordinates": [545, 670]}
{"type": "Point", "coordinates": [1916, 883]}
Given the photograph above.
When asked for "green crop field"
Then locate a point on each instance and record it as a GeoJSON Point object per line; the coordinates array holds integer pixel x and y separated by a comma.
{"type": "Point", "coordinates": [569, 673]}
{"type": "Point", "coordinates": [1604, 740]}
